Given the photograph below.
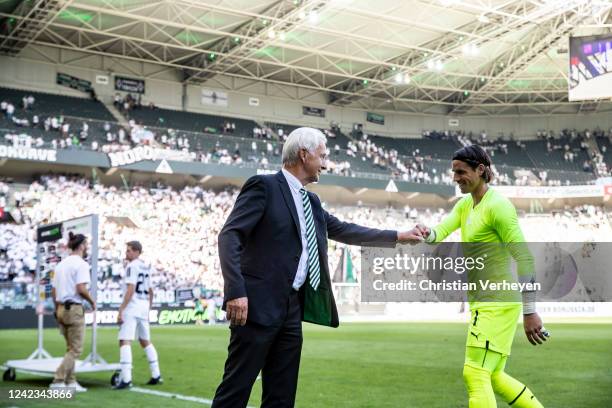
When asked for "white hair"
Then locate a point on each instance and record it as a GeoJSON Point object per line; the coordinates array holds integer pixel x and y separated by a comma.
{"type": "Point", "coordinates": [302, 138]}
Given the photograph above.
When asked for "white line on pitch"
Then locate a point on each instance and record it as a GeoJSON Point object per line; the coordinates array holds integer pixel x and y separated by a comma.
{"type": "Point", "coordinates": [172, 395]}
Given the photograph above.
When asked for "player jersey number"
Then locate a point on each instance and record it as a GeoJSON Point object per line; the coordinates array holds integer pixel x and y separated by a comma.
{"type": "Point", "coordinates": [142, 284]}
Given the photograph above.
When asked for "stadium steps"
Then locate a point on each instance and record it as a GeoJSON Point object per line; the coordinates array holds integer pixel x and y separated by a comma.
{"type": "Point", "coordinates": [276, 126]}
{"type": "Point", "coordinates": [604, 141]}
{"type": "Point", "coordinates": [117, 115]}
{"type": "Point", "coordinates": [516, 157]}
{"type": "Point", "coordinates": [531, 158]}
{"type": "Point", "coordinates": [542, 159]}
{"type": "Point", "coordinates": [593, 147]}
{"type": "Point", "coordinates": [263, 124]}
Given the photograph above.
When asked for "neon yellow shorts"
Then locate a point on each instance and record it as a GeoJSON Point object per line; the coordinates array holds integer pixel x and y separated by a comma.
{"type": "Point", "coordinates": [493, 327]}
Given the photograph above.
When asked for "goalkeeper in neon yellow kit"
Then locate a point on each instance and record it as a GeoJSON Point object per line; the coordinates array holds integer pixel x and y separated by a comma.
{"type": "Point", "coordinates": [485, 216]}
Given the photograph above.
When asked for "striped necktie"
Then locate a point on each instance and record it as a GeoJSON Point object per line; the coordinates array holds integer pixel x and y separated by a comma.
{"type": "Point", "coordinates": [314, 269]}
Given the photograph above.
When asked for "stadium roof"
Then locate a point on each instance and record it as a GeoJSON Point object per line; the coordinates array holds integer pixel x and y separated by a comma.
{"type": "Point", "coordinates": [471, 56]}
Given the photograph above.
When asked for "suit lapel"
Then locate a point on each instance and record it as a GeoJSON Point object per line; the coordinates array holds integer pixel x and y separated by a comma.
{"type": "Point", "coordinates": [284, 186]}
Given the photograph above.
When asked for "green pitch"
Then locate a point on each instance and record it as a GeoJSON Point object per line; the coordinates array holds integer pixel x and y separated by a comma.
{"type": "Point", "coordinates": [357, 365]}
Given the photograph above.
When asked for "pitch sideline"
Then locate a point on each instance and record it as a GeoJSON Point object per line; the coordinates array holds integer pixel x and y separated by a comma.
{"type": "Point", "coordinates": [173, 395]}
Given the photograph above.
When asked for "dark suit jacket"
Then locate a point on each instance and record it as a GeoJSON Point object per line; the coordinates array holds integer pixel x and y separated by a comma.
{"type": "Point", "coordinates": [260, 248]}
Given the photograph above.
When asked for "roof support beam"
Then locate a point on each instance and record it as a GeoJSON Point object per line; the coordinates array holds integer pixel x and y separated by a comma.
{"type": "Point", "coordinates": [35, 18]}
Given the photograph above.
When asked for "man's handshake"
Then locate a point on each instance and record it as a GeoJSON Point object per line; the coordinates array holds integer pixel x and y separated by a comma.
{"type": "Point", "coordinates": [414, 236]}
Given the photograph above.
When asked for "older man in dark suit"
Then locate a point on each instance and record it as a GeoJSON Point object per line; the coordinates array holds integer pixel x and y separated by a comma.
{"type": "Point", "coordinates": [273, 251]}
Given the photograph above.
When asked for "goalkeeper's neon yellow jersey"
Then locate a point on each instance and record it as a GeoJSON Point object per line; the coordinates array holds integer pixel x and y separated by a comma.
{"type": "Point", "coordinates": [492, 220]}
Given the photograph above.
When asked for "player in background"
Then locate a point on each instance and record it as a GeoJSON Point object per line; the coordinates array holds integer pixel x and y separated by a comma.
{"type": "Point", "coordinates": [485, 216]}
{"type": "Point", "coordinates": [134, 316]}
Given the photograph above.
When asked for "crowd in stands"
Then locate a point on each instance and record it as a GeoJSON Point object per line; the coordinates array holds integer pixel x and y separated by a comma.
{"type": "Point", "coordinates": [228, 127]}
{"type": "Point", "coordinates": [64, 132]}
{"type": "Point", "coordinates": [601, 156]}
{"type": "Point", "coordinates": [179, 229]}
{"type": "Point", "coordinates": [126, 103]}
{"type": "Point", "coordinates": [358, 155]}
{"type": "Point", "coordinates": [568, 141]}
{"type": "Point", "coordinates": [281, 132]}
{"type": "Point", "coordinates": [264, 132]}
{"type": "Point", "coordinates": [27, 103]}
{"type": "Point", "coordinates": [412, 168]}
{"type": "Point", "coordinates": [570, 144]}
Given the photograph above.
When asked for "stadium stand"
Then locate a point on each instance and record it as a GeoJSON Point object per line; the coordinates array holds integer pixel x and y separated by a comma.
{"type": "Point", "coordinates": [191, 121]}
{"type": "Point", "coordinates": [438, 149]}
{"type": "Point", "coordinates": [603, 158]}
{"type": "Point", "coordinates": [46, 104]}
{"type": "Point", "coordinates": [281, 129]}
{"type": "Point", "coordinates": [552, 160]}
{"type": "Point", "coordinates": [543, 158]}
{"type": "Point", "coordinates": [193, 260]}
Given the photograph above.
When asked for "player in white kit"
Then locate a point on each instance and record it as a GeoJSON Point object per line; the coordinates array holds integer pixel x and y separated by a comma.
{"type": "Point", "coordinates": [134, 316]}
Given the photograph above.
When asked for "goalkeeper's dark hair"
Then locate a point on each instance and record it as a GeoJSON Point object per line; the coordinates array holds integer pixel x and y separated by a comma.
{"type": "Point", "coordinates": [74, 240]}
{"type": "Point", "coordinates": [474, 156]}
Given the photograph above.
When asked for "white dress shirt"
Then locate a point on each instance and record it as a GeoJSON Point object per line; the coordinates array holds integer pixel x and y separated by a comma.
{"type": "Point", "coordinates": [294, 187]}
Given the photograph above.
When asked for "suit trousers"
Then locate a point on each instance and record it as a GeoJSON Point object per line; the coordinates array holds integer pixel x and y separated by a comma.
{"type": "Point", "coordinates": [273, 350]}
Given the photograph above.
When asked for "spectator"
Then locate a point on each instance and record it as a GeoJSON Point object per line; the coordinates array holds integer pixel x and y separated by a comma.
{"type": "Point", "coordinates": [10, 110]}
